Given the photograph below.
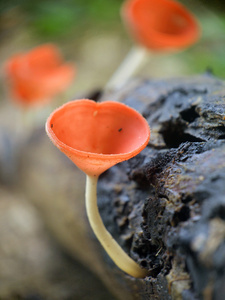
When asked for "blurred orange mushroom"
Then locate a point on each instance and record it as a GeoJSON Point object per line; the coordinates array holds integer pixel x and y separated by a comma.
{"type": "Point", "coordinates": [38, 75]}
{"type": "Point", "coordinates": [160, 24]}
{"type": "Point", "coordinates": [155, 25]}
{"type": "Point", "coordinates": [96, 136]}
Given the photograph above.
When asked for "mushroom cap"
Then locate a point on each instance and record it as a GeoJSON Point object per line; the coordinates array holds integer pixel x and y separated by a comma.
{"type": "Point", "coordinates": [160, 24]}
{"type": "Point", "coordinates": [96, 136]}
{"type": "Point", "coordinates": [37, 75]}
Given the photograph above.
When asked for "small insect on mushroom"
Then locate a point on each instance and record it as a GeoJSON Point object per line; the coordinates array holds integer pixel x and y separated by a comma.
{"type": "Point", "coordinates": [87, 132]}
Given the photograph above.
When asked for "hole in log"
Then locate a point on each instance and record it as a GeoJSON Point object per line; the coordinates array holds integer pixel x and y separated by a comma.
{"type": "Point", "coordinates": [189, 115]}
{"type": "Point", "coordinates": [174, 136]}
{"type": "Point", "coordinates": [181, 216]}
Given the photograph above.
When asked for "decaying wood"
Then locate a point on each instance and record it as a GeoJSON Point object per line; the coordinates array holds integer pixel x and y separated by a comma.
{"type": "Point", "coordinates": [177, 184]}
{"type": "Point", "coordinates": [166, 207]}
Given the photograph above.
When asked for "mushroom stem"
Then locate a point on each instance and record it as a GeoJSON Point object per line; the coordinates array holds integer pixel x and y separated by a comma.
{"type": "Point", "coordinates": [131, 64]}
{"type": "Point", "coordinates": [117, 254]}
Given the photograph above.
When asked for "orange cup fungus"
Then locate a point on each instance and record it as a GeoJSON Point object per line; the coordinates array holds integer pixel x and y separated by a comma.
{"type": "Point", "coordinates": [36, 76]}
{"type": "Point", "coordinates": [96, 136]}
{"type": "Point", "coordinates": [160, 24]}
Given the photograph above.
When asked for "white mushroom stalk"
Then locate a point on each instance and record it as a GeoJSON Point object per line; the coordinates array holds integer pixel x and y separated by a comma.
{"type": "Point", "coordinates": [132, 63]}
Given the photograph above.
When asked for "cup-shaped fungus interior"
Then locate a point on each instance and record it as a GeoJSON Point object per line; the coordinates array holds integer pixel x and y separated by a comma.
{"type": "Point", "coordinates": [96, 136]}
{"type": "Point", "coordinates": [160, 24]}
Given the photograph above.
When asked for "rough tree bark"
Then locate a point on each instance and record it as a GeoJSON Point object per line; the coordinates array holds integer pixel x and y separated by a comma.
{"type": "Point", "coordinates": [166, 207]}
{"type": "Point", "coordinates": [169, 201]}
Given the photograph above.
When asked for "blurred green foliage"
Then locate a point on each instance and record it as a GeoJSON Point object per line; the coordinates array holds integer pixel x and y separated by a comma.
{"type": "Point", "coordinates": [53, 19]}
{"type": "Point", "coordinates": [210, 50]}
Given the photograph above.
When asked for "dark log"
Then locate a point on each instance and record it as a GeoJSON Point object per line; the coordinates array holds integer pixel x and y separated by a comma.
{"type": "Point", "coordinates": [168, 203]}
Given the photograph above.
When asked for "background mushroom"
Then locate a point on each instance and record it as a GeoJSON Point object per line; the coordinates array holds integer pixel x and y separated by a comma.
{"type": "Point", "coordinates": [155, 26]}
{"type": "Point", "coordinates": [33, 79]}
{"type": "Point", "coordinates": [36, 76]}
